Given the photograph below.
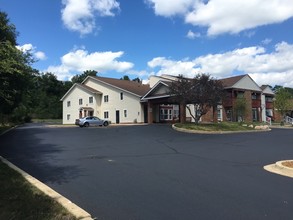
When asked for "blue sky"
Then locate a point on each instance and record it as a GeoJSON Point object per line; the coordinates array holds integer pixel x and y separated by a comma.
{"type": "Point", "coordinates": [140, 38]}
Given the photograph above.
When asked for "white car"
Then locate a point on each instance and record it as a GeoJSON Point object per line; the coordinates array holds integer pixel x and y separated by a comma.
{"type": "Point", "coordinates": [91, 121]}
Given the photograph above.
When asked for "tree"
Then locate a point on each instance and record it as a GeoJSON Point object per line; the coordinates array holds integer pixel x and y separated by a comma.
{"type": "Point", "coordinates": [199, 94]}
{"type": "Point", "coordinates": [240, 108]}
{"type": "Point", "coordinates": [48, 91]}
{"type": "Point", "coordinates": [15, 70]}
{"type": "Point", "coordinates": [125, 77]}
{"type": "Point", "coordinates": [7, 30]}
{"type": "Point", "coordinates": [81, 77]}
{"type": "Point", "coordinates": [283, 101]}
{"type": "Point", "coordinates": [137, 80]}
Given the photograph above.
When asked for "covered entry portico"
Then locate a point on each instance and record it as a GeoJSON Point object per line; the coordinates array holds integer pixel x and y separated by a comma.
{"type": "Point", "coordinates": [161, 107]}
{"type": "Point", "coordinates": [86, 111]}
{"type": "Point", "coordinates": [164, 111]}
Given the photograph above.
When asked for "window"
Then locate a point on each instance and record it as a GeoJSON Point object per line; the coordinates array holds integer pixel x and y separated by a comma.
{"type": "Point", "coordinates": [229, 114]}
{"type": "Point", "coordinates": [68, 103]}
{"type": "Point", "coordinates": [80, 101]}
{"type": "Point", "coordinates": [121, 95]}
{"type": "Point", "coordinates": [106, 115]}
{"type": "Point", "coordinates": [254, 114]}
{"type": "Point", "coordinates": [125, 113]}
{"type": "Point", "coordinates": [165, 114]}
{"type": "Point", "coordinates": [68, 117]}
{"type": "Point", "coordinates": [106, 98]}
{"type": "Point", "coordinates": [269, 99]}
{"type": "Point", "coordinates": [254, 96]}
{"type": "Point", "coordinates": [91, 99]}
{"type": "Point", "coordinates": [240, 95]}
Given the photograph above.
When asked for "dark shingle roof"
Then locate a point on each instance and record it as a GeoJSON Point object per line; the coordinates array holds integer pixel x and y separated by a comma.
{"type": "Point", "coordinates": [130, 86]}
{"type": "Point", "coordinates": [229, 82]}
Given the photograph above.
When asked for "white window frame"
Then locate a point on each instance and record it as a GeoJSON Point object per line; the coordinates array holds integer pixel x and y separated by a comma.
{"type": "Point", "coordinates": [91, 100]}
{"type": "Point", "coordinates": [68, 103]}
{"type": "Point", "coordinates": [80, 101]}
{"type": "Point", "coordinates": [106, 114]}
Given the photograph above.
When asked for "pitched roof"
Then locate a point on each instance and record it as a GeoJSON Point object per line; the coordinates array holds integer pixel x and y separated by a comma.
{"type": "Point", "coordinates": [130, 86]}
{"type": "Point", "coordinates": [266, 89]}
{"type": "Point", "coordinates": [151, 93]}
{"type": "Point", "coordinates": [87, 88]}
{"type": "Point", "coordinates": [90, 89]}
{"type": "Point", "coordinates": [229, 82]}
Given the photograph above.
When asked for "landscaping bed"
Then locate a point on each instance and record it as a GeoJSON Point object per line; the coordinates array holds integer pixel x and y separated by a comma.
{"type": "Point", "coordinates": [223, 126]}
{"type": "Point", "coordinates": [288, 164]}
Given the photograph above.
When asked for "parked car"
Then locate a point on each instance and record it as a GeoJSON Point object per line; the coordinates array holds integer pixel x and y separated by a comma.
{"type": "Point", "coordinates": [91, 121]}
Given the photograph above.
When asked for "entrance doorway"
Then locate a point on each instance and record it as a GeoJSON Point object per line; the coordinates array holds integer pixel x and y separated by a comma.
{"type": "Point", "coordinates": [117, 116]}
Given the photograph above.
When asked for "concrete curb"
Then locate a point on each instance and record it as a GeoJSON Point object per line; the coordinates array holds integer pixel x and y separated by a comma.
{"type": "Point", "coordinates": [214, 132]}
{"type": "Point", "coordinates": [281, 127]}
{"type": "Point", "coordinates": [78, 212]}
{"type": "Point", "coordinates": [280, 169]}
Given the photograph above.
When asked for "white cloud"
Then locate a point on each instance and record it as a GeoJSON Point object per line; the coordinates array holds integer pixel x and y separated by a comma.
{"type": "Point", "coordinates": [77, 61]}
{"type": "Point", "coordinates": [39, 55]}
{"type": "Point", "coordinates": [173, 67]}
{"type": "Point", "coordinates": [266, 68]}
{"type": "Point", "coordinates": [226, 16]}
{"type": "Point", "coordinates": [266, 41]}
{"type": "Point", "coordinates": [192, 35]}
{"type": "Point", "coordinates": [79, 15]}
{"type": "Point", "coordinates": [169, 8]}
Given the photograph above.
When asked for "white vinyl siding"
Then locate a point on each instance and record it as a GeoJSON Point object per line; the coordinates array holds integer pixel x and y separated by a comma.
{"type": "Point", "coordinates": [114, 103]}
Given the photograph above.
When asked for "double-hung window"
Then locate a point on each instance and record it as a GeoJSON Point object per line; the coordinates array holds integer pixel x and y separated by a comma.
{"type": "Point", "coordinates": [106, 98]}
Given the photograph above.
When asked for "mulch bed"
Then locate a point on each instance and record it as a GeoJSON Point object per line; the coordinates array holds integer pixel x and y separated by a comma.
{"type": "Point", "coordinates": [288, 164]}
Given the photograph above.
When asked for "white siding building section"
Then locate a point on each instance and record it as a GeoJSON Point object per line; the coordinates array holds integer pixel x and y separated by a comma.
{"type": "Point", "coordinates": [73, 103]}
{"type": "Point", "coordinates": [109, 102]}
{"type": "Point", "coordinates": [117, 102]}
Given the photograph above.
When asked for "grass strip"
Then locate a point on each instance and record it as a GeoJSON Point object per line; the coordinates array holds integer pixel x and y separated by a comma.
{"type": "Point", "coordinates": [20, 200]}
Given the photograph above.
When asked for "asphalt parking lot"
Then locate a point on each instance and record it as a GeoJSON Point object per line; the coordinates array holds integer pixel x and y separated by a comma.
{"type": "Point", "coordinates": [153, 172]}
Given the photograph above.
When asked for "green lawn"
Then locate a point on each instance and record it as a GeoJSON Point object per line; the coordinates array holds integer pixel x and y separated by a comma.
{"type": "Point", "coordinates": [222, 126]}
{"type": "Point", "coordinates": [20, 200]}
{"type": "Point", "coordinates": [47, 121]}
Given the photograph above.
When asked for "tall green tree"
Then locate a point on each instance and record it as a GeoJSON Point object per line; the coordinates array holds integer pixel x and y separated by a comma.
{"type": "Point", "coordinates": [81, 77]}
{"type": "Point", "coordinates": [240, 108]}
{"type": "Point", "coordinates": [8, 31]}
{"type": "Point", "coordinates": [15, 70]}
{"type": "Point", "coordinates": [48, 90]}
{"type": "Point", "coordinates": [200, 94]}
{"type": "Point", "coordinates": [283, 101]}
{"type": "Point", "coordinates": [125, 77]}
